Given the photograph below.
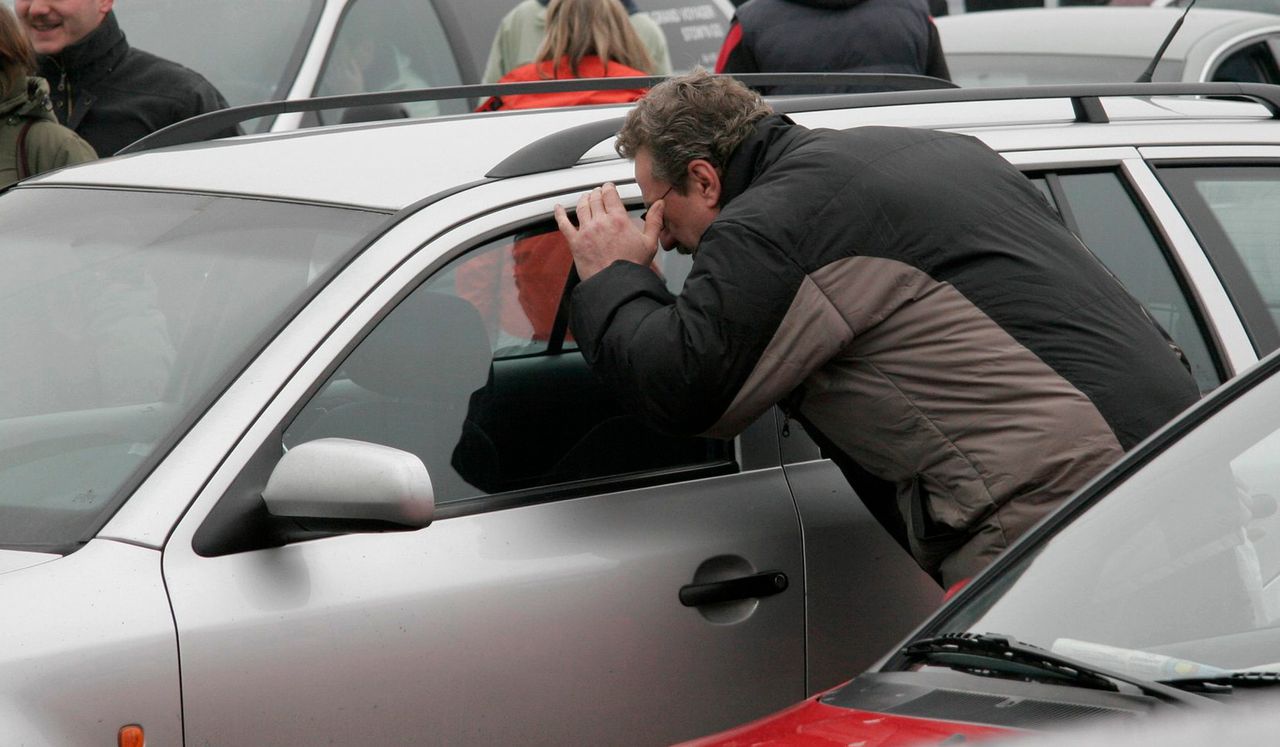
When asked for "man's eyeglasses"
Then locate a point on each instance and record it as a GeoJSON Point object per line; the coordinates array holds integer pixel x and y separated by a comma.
{"type": "Point", "coordinates": [645, 214]}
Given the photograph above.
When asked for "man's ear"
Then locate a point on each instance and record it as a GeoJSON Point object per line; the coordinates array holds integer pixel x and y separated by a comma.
{"type": "Point", "coordinates": [703, 182]}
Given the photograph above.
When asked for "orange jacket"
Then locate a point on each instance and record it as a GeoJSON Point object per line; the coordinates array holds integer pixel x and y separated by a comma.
{"type": "Point", "coordinates": [590, 67]}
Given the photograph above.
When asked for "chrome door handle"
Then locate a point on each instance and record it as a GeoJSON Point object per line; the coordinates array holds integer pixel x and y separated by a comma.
{"type": "Point", "coordinates": [747, 587]}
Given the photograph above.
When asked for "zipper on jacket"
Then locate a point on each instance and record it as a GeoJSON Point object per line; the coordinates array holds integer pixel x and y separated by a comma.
{"type": "Point", "coordinates": [63, 87]}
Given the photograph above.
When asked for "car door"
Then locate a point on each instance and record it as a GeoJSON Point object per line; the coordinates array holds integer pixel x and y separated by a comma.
{"type": "Point", "coordinates": [572, 587]}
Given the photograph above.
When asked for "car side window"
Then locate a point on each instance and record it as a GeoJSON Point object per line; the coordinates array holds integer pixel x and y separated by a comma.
{"type": "Point", "coordinates": [476, 373]}
{"type": "Point", "coordinates": [1252, 64]}
{"type": "Point", "coordinates": [389, 45]}
{"type": "Point", "coordinates": [1232, 210]}
{"type": "Point", "coordinates": [1101, 211]}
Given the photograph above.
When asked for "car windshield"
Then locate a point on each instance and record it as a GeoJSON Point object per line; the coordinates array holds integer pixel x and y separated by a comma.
{"type": "Point", "coordinates": [1174, 572]}
{"type": "Point", "coordinates": [993, 70]}
{"type": "Point", "coordinates": [119, 320]}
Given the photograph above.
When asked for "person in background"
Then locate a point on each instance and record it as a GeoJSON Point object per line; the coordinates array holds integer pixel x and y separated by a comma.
{"type": "Point", "coordinates": [833, 36]}
{"type": "Point", "coordinates": [111, 94]}
{"type": "Point", "coordinates": [584, 39]}
{"type": "Point", "coordinates": [520, 36]}
{"type": "Point", "coordinates": [31, 140]}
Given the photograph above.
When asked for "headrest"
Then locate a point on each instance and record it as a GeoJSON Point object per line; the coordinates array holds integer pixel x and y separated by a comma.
{"type": "Point", "coordinates": [433, 346]}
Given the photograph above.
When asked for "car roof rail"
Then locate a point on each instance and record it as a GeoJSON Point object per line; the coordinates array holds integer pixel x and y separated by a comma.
{"type": "Point", "coordinates": [1086, 98]}
{"type": "Point", "coordinates": [205, 126]}
{"type": "Point", "coordinates": [566, 148]}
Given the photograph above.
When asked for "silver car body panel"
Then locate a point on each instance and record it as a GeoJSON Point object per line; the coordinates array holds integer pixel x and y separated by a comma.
{"type": "Point", "coordinates": [88, 648]}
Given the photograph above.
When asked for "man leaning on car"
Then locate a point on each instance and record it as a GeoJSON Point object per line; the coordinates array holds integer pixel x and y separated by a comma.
{"type": "Point", "coordinates": [905, 294]}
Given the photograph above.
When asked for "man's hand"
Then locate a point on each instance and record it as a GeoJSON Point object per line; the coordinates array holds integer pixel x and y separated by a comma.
{"type": "Point", "coordinates": [605, 232]}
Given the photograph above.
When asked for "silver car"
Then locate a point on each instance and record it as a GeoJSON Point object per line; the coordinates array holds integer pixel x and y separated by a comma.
{"type": "Point", "coordinates": [296, 445]}
{"type": "Point", "coordinates": [1109, 45]}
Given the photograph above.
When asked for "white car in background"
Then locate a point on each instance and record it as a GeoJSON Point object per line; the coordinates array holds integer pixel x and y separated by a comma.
{"type": "Point", "coordinates": [1109, 45]}
{"type": "Point", "coordinates": [257, 50]}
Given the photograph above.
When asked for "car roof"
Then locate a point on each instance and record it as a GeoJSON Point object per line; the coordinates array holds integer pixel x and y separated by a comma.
{"type": "Point", "coordinates": [391, 165]}
{"type": "Point", "coordinates": [1098, 31]}
{"type": "Point", "coordinates": [383, 165]}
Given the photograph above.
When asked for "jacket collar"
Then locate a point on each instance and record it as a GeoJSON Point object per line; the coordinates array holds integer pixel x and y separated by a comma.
{"type": "Point", "coordinates": [771, 139]}
{"type": "Point", "coordinates": [31, 101]}
{"type": "Point", "coordinates": [97, 53]}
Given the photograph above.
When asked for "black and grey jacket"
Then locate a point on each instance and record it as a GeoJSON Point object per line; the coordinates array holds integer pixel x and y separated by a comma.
{"type": "Point", "coordinates": [849, 36]}
{"type": "Point", "coordinates": [112, 94]}
{"type": "Point", "coordinates": [925, 310]}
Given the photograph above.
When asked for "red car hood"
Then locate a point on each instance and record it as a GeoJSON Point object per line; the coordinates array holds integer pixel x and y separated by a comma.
{"type": "Point", "coordinates": [811, 723]}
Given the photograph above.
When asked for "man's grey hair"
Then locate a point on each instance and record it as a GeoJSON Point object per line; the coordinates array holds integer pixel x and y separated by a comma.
{"type": "Point", "coordinates": [691, 116]}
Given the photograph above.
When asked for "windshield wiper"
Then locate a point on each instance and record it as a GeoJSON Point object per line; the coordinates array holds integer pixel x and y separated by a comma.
{"type": "Point", "coordinates": [995, 655]}
{"type": "Point", "coordinates": [1224, 684]}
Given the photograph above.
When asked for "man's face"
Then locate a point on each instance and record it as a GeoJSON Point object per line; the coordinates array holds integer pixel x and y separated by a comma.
{"type": "Point", "coordinates": [685, 215]}
{"type": "Point", "coordinates": [53, 25]}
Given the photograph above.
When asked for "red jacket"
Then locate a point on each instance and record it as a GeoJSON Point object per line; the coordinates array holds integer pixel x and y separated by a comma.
{"type": "Point", "coordinates": [590, 67]}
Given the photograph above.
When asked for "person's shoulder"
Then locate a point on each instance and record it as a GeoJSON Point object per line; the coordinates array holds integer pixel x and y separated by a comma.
{"type": "Point", "coordinates": [525, 73]}
{"type": "Point", "coordinates": [143, 72]}
{"type": "Point", "coordinates": [140, 61]}
{"type": "Point", "coordinates": [51, 145]}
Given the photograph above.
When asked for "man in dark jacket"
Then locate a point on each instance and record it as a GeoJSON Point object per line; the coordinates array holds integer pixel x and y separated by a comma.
{"type": "Point", "coordinates": [832, 36]}
{"type": "Point", "coordinates": [108, 92]}
{"type": "Point", "coordinates": [906, 294]}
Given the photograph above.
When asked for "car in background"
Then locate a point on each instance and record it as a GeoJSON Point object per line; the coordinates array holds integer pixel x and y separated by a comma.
{"type": "Point", "coordinates": [257, 51]}
{"type": "Point", "coordinates": [1259, 6]}
{"type": "Point", "coordinates": [1154, 593]}
{"type": "Point", "coordinates": [296, 442]}
{"type": "Point", "coordinates": [1109, 45]}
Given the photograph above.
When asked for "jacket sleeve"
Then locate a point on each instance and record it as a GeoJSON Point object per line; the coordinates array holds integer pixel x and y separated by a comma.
{"type": "Point", "coordinates": [682, 362]}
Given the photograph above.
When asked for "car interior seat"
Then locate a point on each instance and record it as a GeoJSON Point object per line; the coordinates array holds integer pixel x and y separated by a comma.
{"type": "Point", "coordinates": [421, 374]}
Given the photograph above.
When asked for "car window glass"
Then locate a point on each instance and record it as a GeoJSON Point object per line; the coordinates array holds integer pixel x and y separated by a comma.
{"type": "Point", "coordinates": [248, 62]}
{"type": "Point", "coordinates": [517, 283]}
{"type": "Point", "coordinates": [1199, 521]}
{"type": "Point", "coordinates": [1232, 210]}
{"type": "Point", "coordinates": [1252, 64]}
{"type": "Point", "coordinates": [123, 318]}
{"type": "Point", "coordinates": [466, 373]}
{"type": "Point", "coordinates": [1109, 221]}
{"type": "Point", "coordinates": [389, 45]}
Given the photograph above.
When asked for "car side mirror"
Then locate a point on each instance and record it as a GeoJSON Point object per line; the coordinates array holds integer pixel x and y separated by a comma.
{"type": "Point", "coordinates": [341, 483]}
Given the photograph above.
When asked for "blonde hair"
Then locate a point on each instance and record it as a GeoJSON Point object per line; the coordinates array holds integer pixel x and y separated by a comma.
{"type": "Point", "coordinates": [17, 57]}
{"type": "Point", "coordinates": [578, 28]}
